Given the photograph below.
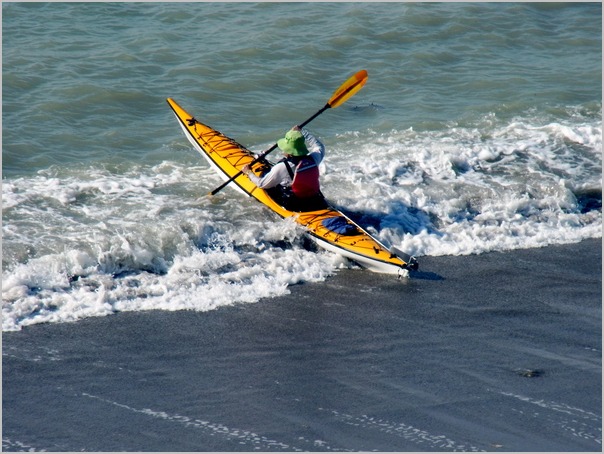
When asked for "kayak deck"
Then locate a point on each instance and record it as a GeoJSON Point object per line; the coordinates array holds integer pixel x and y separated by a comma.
{"type": "Point", "coordinates": [228, 157]}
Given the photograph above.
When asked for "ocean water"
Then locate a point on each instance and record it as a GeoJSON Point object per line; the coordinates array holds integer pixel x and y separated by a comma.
{"type": "Point", "coordinates": [479, 130]}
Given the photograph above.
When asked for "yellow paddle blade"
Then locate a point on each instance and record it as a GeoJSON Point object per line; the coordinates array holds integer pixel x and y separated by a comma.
{"type": "Point", "coordinates": [348, 88]}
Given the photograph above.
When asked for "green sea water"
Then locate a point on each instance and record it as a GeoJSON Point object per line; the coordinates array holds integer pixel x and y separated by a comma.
{"type": "Point", "coordinates": [86, 82]}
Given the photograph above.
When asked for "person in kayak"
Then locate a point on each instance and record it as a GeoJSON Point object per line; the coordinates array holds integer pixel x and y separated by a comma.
{"type": "Point", "coordinates": [294, 181]}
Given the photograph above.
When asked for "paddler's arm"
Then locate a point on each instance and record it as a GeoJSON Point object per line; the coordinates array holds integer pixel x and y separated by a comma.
{"type": "Point", "coordinates": [276, 176]}
{"type": "Point", "coordinates": [314, 145]}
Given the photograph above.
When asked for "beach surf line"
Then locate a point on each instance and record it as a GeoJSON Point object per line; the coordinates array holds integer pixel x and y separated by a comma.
{"type": "Point", "coordinates": [245, 437]}
{"type": "Point", "coordinates": [563, 408]}
{"type": "Point", "coordinates": [406, 431]}
{"type": "Point", "coordinates": [578, 424]}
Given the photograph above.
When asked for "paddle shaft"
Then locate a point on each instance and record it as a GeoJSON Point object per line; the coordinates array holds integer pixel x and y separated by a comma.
{"type": "Point", "coordinates": [346, 90]}
{"type": "Point", "coordinates": [265, 153]}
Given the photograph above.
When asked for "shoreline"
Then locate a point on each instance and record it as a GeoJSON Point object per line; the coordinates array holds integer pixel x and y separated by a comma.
{"type": "Point", "coordinates": [496, 352]}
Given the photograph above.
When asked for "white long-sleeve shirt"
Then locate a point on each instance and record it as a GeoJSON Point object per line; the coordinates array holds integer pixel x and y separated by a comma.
{"type": "Point", "coordinates": [279, 175]}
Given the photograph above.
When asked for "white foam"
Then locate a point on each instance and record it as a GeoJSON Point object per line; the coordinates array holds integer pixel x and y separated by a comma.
{"type": "Point", "coordinates": [80, 242]}
{"type": "Point", "coordinates": [112, 253]}
{"type": "Point", "coordinates": [74, 285]}
{"type": "Point", "coordinates": [466, 191]}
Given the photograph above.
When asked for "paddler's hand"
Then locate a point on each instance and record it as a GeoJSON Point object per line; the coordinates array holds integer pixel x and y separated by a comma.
{"type": "Point", "coordinates": [246, 169]}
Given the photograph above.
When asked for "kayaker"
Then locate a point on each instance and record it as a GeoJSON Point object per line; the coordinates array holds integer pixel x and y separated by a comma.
{"type": "Point", "coordinates": [294, 181]}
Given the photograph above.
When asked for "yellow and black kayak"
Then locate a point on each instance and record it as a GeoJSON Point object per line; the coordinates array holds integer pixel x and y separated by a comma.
{"type": "Point", "coordinates": [327, 226]}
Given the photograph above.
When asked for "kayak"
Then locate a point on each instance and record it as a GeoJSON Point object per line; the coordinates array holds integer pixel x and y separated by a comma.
{"type": "Point", "coordinates": [328, 227]}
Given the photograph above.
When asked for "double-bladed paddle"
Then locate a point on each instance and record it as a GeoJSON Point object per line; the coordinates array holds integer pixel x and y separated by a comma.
{"type": "Point", "coordinates": [347, 90]}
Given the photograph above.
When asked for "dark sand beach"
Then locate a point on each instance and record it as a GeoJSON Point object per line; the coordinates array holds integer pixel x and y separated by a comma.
{"type": "Point", "coordinates": [496, 352]}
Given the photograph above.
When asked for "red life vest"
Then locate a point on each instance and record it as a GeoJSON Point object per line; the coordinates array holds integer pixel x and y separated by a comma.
{"type": "Point", "coordinates": [305, 178]}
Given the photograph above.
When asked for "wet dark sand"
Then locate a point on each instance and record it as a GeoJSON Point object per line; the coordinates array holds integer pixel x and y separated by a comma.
{"type": "Point", "coordinates": [497, 352]}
